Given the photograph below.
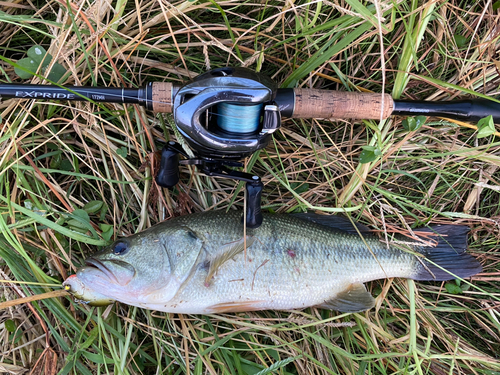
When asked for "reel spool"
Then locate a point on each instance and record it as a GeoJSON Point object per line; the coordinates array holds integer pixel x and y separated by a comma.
{"type": "Point", "coordinates": [230, 118]}
{"type": "Point", "coordinates": [227, 112]}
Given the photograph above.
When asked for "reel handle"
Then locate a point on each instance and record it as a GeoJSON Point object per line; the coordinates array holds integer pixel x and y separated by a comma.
{"type": "Point", "coordinates": [254, 195]}
{"type": "Point", "coordinates": [168, 175]}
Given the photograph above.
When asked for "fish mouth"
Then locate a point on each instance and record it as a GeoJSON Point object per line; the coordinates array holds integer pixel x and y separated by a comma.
{"type": "Point", "coordinates": [82, 293]}
{"type": "Point", "coordinates": [127, 272]}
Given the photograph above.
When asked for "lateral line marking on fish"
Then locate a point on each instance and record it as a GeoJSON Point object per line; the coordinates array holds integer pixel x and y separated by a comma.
{"type": "Point", "coordinates": [255, 273]}
{"type": "Point", "coordinates": [225, 253]}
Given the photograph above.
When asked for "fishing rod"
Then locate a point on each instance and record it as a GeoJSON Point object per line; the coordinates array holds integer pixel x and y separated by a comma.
{"type": "Point", "coordinates": [227, 114]}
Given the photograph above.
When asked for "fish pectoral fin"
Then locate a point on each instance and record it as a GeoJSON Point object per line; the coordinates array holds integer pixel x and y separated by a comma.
{"type": "Point", "coordinates": [239, 306]}
{"type": "Point", "coordinates": [354, 299]}
{"type": "Point", "coordinates": [225, 253]}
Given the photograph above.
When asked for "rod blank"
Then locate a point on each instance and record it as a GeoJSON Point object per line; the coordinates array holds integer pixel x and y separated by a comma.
{"type": "Point", "coordinates": [141, 95]}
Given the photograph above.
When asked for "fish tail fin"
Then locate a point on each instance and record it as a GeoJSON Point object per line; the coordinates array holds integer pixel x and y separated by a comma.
{"type": "Point", "coordinates": [449, 258]}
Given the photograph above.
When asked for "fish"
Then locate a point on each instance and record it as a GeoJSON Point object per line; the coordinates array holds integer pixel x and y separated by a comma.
{"type": "Point", "coordinates": [206, 263]}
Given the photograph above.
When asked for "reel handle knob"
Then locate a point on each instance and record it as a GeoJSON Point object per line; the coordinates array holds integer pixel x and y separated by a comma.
{"type": "Point", "coordinates": [254, 194]}
{"type": "Point", "coordinates": [168, 175]}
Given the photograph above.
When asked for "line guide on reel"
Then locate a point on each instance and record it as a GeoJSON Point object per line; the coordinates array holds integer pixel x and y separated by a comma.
{"type": "Point", "coordinates": [229, 113]}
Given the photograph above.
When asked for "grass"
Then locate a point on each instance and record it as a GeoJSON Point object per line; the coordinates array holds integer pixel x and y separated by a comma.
{"type": "Point", "coordinates": [73, 175]}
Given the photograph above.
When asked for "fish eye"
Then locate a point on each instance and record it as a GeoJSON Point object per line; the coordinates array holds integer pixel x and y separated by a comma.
{"type": "Point", "coordinates": [119, 248]}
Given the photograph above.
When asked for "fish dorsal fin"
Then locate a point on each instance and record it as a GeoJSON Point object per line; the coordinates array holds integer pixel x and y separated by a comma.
{"type": "Point", "coordinates": [354, 299]}
{"type": "Point", "coordinates": [336, 222]}
{"type": "Point", "coordinates": [225, 253]}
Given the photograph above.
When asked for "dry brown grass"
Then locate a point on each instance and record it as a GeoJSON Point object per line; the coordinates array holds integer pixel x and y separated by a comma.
{"type": "Point", "coordinates": [56, 157]}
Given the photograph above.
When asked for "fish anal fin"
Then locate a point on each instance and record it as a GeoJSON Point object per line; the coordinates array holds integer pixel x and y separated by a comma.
{"type": "Point", "coordinates": [237, 306]}
{"type": "Point", "coordinates": [354, 299]}
{"type": "Point", "coordinates": [225, 253]}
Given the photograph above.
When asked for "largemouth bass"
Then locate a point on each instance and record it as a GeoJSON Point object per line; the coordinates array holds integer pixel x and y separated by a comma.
{"type": "Point", "coordinates": [201, 264]}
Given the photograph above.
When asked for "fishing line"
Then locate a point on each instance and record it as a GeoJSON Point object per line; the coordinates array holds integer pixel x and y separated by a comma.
{"type": "Point", "coordinates": [237, 118]}
{"type": "Point", "coordinates": [30, 283]}
{"type": "Point", "coordinates": [32, 287]}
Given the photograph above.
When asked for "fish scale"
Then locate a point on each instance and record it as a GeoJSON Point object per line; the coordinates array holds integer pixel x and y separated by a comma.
{"type": "Point", "coordinates": [198, 264]}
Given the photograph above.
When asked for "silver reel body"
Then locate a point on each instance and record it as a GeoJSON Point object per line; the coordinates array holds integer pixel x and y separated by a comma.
{"type": "Point", "coordinates": [197, 107]}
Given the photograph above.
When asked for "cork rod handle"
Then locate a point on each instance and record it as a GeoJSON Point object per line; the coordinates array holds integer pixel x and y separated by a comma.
{"type": "Point", "coordinates": [312, 103]}
{"type": "Point", "coordinates": [162, 94]}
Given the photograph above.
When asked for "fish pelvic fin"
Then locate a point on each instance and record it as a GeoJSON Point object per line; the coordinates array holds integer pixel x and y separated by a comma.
{"type": "Point", "coordinates": [448, 258]}
{"type": "Point", "coordinates": [225, 253]}
{"type": "Point", "coordinates": [354, 299]}
{"type": "Point", "coordinates": [237, 306]}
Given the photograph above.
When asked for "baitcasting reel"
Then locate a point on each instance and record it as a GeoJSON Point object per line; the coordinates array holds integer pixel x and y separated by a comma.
{"type": "Point", "coordinates": [227, 112]}
{"type": "Point", "coordinates": [224, 115]}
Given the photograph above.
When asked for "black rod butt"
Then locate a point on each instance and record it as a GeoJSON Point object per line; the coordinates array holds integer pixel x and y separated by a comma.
{"type": "Point", "coordinates": [469, 110]}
